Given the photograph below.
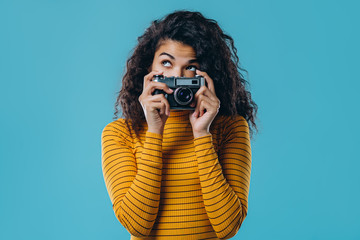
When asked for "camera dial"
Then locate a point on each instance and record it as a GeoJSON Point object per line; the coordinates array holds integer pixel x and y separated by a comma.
{"type": "Point", "coordinates": [156, 78]}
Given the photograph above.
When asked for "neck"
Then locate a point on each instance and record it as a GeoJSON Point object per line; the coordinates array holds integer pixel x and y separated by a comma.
{"type": "Point", "coordinates": [176, 115]}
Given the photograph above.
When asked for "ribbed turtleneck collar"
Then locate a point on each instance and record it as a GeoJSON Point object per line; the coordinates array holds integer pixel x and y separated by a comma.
{"type": "Point", "coordinates": [179, 115]}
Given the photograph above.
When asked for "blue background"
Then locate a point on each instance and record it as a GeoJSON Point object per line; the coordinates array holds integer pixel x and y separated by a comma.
{"type": "Point", "coordinates": [61, 63]}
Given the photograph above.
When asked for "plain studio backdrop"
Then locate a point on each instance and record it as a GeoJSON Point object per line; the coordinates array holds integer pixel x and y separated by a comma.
{"type": "Point", "coordinates": [61, 64]}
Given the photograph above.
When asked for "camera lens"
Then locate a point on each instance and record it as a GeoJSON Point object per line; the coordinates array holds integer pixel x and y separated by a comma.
{"type": "Point", "coordinates": [183, 96]}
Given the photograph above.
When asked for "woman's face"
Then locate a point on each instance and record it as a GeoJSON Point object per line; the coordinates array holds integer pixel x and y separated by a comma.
{"type": "Point", "coordinates": [175, 59]}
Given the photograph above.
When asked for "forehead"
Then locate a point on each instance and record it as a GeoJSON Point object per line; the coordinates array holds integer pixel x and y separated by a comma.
{"type": "Point", "coordinates": [176, 49]}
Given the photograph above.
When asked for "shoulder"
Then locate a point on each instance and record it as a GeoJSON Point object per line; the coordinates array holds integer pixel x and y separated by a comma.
{"type": "Point", "coordinates": [117, 128]}
{"type": "Point", "coordinates": [226, 122]}
{"type": "Point", "coordinates": [224, 127]}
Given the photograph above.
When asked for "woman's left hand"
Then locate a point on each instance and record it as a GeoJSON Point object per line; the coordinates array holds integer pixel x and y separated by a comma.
{"type": "Point", "coordinates": [205, 99]}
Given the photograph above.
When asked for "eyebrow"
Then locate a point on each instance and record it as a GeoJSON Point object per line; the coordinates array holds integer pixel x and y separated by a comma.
{"type": "Point", "coordinates": [172, 57]}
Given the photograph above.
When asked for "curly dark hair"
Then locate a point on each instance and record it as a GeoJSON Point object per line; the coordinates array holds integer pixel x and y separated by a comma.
{"type": "Point", "coordinates": [216, 55]}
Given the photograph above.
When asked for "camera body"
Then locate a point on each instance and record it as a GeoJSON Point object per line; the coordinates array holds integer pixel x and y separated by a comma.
{"type": "Point", "coordinates": [184, 90]}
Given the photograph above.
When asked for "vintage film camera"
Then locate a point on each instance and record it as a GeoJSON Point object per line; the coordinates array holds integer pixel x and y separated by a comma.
{"type": "Point", "coordinates": [184, 90]}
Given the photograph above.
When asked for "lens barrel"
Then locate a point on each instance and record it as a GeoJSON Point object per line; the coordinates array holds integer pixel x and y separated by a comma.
{"type": "Point", "coordinates": [183, 96]}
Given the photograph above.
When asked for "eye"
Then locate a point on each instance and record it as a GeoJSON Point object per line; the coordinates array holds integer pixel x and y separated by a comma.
{"type": "Point", "coordinates": [191, 68]}
{"type": "Point", "coordinates": [166, 63]}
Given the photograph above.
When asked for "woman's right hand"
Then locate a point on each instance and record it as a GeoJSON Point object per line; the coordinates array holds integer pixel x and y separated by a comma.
{"type": "Point", "coordinates": [156, 107]}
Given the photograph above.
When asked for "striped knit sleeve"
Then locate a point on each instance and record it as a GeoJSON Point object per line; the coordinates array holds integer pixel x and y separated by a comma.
{"type": "Point", "coordinates": [225, 179]}
{"type": "Point", "coordinates": [133, 185]}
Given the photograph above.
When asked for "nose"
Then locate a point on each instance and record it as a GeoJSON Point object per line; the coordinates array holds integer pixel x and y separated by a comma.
{"type": "Point", "coordinates": [176, 72]}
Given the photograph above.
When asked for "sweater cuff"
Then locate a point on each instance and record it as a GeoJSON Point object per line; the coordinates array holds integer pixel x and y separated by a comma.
{"type": "Point", "coordinates": [154, 135]}
{"type": "Point", "coordinates": [207, 139]}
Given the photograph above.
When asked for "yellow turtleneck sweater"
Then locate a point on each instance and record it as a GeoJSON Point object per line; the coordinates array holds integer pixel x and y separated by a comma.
{"type": "Point", "coordinates": [173, 186]}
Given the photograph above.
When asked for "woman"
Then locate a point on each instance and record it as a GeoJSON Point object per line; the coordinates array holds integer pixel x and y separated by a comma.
{"type": "Point", "coordinates": [181, 174]}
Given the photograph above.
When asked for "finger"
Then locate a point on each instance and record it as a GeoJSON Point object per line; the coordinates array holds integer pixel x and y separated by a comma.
{"type": "Point", "coordinates": [204, 105]}
{"type": "Point", "coordinates": [208, 79]}
{"type": "Point", "coordinates": [202, 108]}
{"type": "Point", "coordinates": [196, 111]}
{"type": "Point", "coordinates": [162, 109]}
{"type": "Point", "coordinates": [157, 85]}
{"type": "Point", "coordinates": [164, 101]}
{"type": "Point", "coordinates": [205, 91]}
{"type": "Point", "coordinates": [214, 103]}
{"type": "Point", "coordinates": [167, 106]}
{"type": "Point", "coordinates": [199, 92]}
{"type": "Point", "coordinates": [157, 106]}
{"type": "Point", "coordinates": [160, 98]}
{"type": "Point", "coordinates": [156, 98]}
{"type": "Point", "coordinates": [212, 106]}
{"type": "Point", "coordinates": [198, 104]}
{"type": "Point", "coordinates": [198, 108]}
{"type": "Point", "coordinates": [203, 100]}
{"type": "Point", "coordinates": [150, 76]}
